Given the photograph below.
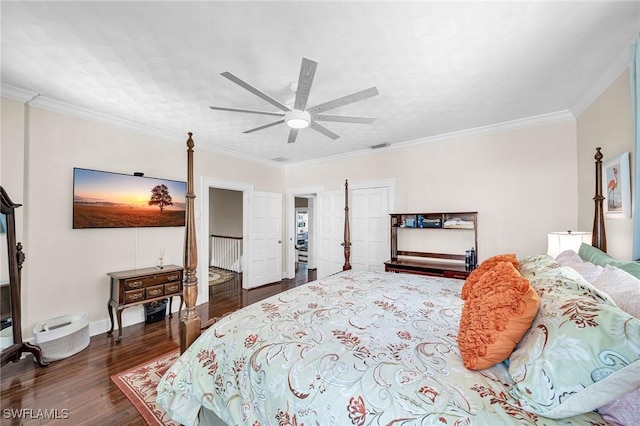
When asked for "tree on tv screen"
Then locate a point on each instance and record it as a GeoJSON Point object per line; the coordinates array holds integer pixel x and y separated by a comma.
{"type": "Point", "coordinates": [160, 197]}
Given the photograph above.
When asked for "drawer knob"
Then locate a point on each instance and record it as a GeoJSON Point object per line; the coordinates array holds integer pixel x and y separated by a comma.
{"type": "Point", "coordinates": [135, 284]}
{"type": "Point", "coordinates": [135, 296]}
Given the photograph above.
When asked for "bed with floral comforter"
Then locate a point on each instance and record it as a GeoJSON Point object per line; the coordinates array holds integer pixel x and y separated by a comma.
{"type": "Point", "coordinates": [356, 348]}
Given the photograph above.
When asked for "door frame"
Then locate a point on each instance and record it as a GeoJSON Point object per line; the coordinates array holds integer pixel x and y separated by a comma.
{"type": "Point", "coordinates": [203, 245]}
{"type": "Point", "coordinates": [310, 192]}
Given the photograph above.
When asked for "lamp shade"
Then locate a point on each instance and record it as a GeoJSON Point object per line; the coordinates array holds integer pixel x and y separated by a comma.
{"type": "Point", "coordinates": [557, 242]}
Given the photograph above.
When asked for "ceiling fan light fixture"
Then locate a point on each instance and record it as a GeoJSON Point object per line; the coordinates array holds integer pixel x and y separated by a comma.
{"type": "Point", "coordinates": [297, 119]}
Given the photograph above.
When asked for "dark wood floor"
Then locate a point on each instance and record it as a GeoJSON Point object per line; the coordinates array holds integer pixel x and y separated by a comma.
{"type": "Point", "coordinates": [82, 384]}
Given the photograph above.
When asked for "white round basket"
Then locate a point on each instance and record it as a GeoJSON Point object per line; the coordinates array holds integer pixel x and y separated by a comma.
{"type": "Point", "coordinates": [63, 336]}
{"type": "Point", "coordinates": [6, 337]}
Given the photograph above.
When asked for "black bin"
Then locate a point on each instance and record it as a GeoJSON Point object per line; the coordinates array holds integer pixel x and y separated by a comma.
{"type": "Point", "coordinates": [155, 311]}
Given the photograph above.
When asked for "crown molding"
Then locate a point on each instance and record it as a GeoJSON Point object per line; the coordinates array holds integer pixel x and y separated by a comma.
{"type": "Point", "coordinates": [536, 120]}
{"type": "Point", "coordinates": [16, 93]}
{"type": "Point", "coordinates": [49, 104]}
{"type": "Point", "coordinates": [520, 123]}
{"type": "Point", "coordinates": [241, 156]}
{"type": "Point", "coordinates": [34, 99]}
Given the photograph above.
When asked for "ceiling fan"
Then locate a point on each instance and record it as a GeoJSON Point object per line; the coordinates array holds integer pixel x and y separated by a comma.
{"type": "Point", "coordinates": [298, 116]}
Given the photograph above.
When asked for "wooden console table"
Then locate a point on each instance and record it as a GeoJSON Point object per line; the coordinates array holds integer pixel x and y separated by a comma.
{"type": "Point", "coordinates": [138, 286]}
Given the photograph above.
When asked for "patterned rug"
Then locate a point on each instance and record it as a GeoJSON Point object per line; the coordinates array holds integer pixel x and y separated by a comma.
{"type": "Point", "coordinates": [139, 386]}
{"type": "Point", "coordinates": [219, 276]}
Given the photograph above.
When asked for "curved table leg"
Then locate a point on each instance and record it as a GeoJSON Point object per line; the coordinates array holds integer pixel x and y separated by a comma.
{"type": "Point", "coordinates": [110, 309]}
{"type": "Point", "coordinates": [119, 317]}
{"type": "Point", "coordinates": [37, 353]}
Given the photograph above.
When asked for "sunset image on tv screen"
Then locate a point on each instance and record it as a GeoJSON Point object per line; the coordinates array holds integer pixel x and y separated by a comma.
{"type": "Point", "coordinates": [113, 200]}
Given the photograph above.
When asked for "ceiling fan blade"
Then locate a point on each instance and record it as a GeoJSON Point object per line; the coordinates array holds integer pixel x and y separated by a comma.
{"type": "Point", "coordinates": [345, 100]}
{"type": "Point", "coordinates": [307, 72]}
{"type": "Point", "coordinates": [293, 134]}
{"type": "Point", "coordinates": [319, 128]}
{"type": "Point", "coordinates": [344, 118]}
{"type": "Point", "coordinates": [275, 123]}
{"type": "Point", "coordinates": [250, 111]}
{"type": "Point", "coordinates": [255, 91]}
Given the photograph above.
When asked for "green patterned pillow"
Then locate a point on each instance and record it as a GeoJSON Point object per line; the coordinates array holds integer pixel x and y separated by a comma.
{"type": "Point", "coordinates": [581, 352]}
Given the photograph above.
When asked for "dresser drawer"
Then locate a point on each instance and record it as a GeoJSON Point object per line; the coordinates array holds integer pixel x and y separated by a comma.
{"type": "Point", "coordinates": [134, 296]}
{"type": "Point", "coordinates": [172, 276]}
{"type": "Point", "coordinates": [155, 291]}
{"type": "Point", "coordinates": [172, 288]}
{"type": "Point", "coordinates": [133, 284]}
{"type": "Point", "coordinates": [151, 280]}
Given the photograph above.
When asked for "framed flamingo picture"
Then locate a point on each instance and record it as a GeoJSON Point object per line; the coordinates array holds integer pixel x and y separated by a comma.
{"type": "Point", "coordinates": [616, 181]}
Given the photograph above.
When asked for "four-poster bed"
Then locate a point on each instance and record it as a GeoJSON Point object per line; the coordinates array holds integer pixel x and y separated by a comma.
{"type": "Point", "coordinates": [598, 236]}
{"type": "Point", "coordinates": [370, 348]}
{"type": "Point", "coordinates": [189, 320]}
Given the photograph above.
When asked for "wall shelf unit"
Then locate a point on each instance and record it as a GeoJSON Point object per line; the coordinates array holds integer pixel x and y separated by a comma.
{"type": "Point", "coordinates": [435, 227]}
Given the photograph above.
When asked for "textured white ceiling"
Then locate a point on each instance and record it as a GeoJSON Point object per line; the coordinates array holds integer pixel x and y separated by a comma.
{"type": "Point", "coordinates": [440, 67]}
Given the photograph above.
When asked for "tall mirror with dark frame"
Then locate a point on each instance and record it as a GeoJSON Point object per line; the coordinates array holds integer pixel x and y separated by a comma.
{"type": "Point", "coordinates": [11, 258]}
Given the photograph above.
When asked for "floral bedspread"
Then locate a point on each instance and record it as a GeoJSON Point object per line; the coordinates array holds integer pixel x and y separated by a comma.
{"type": "Point", "coordinates": [356, 348]}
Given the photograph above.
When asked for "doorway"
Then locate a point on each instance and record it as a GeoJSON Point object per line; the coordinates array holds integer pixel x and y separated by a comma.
{"type": "Point", "coordinates": [226, 245]}
{"type": "Point", "coordinates": [210, 213]}
{"type": "Point", "coordinates": [302, 229]}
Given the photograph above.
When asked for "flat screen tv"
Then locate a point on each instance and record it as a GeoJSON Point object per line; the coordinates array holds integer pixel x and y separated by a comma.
{"type": "Point", "coordinates": [115, 200]}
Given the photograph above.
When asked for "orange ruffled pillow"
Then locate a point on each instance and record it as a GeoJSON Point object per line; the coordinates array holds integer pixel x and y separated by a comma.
{"type": "Point", "coordinates": [485, 266]}
{"type": "Point", "coordinates": [497, 313]}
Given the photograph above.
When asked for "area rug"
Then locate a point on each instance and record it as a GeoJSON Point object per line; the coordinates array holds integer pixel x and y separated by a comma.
{"type": "Point", "coordinates": [139, 386]}
{"type": "Point", "coordinates": [219, 276]}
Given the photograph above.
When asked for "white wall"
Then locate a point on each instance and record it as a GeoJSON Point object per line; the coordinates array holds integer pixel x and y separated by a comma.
{"type": "Point", "coordinates": [65, 269]}
{"type": "Point", "coordinates": [225, 212]}
{"type": "Point", "coordinates": [607, 123]}
{"type": "Point", "coordinates": [522, 182]}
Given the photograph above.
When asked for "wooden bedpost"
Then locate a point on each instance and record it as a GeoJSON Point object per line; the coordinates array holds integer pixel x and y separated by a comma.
{"type": "Point", "coordinates": [347, 235]}
{"type": "Point", "coordinates": [598, 236]}
{"type": "Point", "coordinates": [189, 321]}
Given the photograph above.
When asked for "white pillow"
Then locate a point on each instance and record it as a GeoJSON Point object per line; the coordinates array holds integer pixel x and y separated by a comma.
{"type": "Point", "coordinates": [624, 410]}
{"type": "Point", "coordinates": [588, 270]}
{"type": "Point", "coordinates": [622, 287]}
{"type": "Point", "coordinates": [568, 256]}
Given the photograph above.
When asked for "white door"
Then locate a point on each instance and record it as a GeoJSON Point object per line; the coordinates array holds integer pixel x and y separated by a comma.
{"type": "Point", "coordinates": [330, 232]}
{"type": "Point", "coordinates": [265, 240]}
{"type": "Point", "coordinates": [369, 215]}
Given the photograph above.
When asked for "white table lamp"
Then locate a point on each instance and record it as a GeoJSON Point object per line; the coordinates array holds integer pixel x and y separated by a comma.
{"type": "Point", "coordinates": [567, 240]}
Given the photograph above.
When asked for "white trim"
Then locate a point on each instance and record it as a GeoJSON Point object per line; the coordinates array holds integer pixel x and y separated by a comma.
{"type": "Point", "coordinates": [203, 246]}
{"type": "Point", "coordinates": [68, 109]}
{"type": "Point", "coordinates": [53, 105]}
{"type": "Point", "coordinates": [16, 93]}
{"type": "Point", "coordinates": [290, 222]}
{"type": "Point", "coordinates": [537, 120]}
